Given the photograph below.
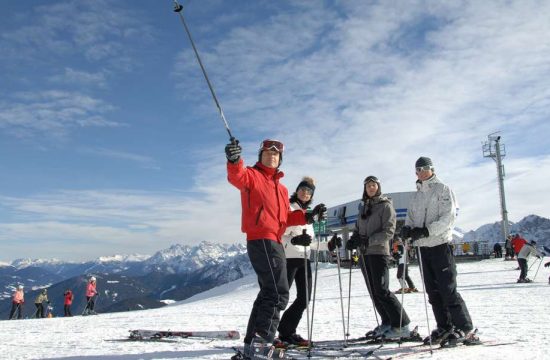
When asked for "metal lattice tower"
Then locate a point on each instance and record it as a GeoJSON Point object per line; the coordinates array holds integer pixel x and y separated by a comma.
{"type": "Point", "coordinates": [495, 150]}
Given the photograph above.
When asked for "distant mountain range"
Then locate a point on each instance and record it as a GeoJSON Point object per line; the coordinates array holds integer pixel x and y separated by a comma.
{"type": "Point", "coordinates": [126, 282]}
{"type": "Point", "coordinates": [531, 227]}
{"type": "Point", "coordinates": [131, 282]}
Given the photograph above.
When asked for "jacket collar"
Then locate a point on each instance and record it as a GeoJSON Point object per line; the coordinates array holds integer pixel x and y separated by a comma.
{"type": "Point", "coordinates": [270, 172]}
{"type": "Point", "coordinates": [426, 184]}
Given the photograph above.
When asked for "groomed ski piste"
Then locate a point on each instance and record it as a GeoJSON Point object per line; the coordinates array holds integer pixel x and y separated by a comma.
{"type": "Point", "coordinates": [513, 315]}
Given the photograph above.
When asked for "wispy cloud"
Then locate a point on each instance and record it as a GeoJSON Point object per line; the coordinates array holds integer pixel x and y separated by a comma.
{"type": "Point", "coordinates": [82, 78]}
{"type": "Point", "coordinates": [144, 161]}
{"type": "Point", "coordinates": [52, 113]}
{"type": "Point", "coordinates": [368, 89]}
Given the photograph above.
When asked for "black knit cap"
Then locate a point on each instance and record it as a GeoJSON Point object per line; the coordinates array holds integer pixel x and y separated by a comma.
{"type": "Point", "coordinates": [306, 184]}
{"type": "Point", "coordinates": [424, 161]}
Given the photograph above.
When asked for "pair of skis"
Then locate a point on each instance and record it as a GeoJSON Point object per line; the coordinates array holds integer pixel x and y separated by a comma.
{"type": "Point", "coordinates": [141, 334]}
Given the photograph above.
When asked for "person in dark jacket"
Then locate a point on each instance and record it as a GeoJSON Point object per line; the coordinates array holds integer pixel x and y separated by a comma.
{"type": "Point", "coordinates": [407, 285]}
{"type": "Point", "coordinates": [497, 248]}
{"type": "Point", "coordinates": [265, 217]}
{"type": "Point", "coordinates": [373, 233]}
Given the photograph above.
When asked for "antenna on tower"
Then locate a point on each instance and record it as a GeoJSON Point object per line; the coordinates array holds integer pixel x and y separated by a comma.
{"type": "Point", "coordinates": [494, 149]}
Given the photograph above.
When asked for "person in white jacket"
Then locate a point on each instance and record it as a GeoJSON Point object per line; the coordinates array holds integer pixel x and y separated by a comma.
{"type": "Point", "coordinates": [429, 223]}
{"type": "Point", "coordinates": [523, 257]}
{"type": "Point", "coordinates": [297, 243]}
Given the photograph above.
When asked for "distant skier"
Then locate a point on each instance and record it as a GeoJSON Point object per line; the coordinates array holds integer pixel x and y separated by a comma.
{"type": "Point", "coordinates": [429, 223]}
{"type": "Point", "coordinates": [68, 301]}
{"type": "Point", "coordinates": [297, 246]}
{"type": "Point", "coordinates": [265, 216]}
{"type": "Point", "coordinates": [523, 257]}
{"type": "Point", "coordinates": [509, 255]}
{"type": "Point", "coordinates": [17, 302]}
{"type": "Point", "coordinates": [497, 248]}
{"type": "Point", "coordinates": [91, 293]}
{"type": "Point", "coordinates": [373, 233]}
{"type": "Point", "coordinates": [39, 303]}
{"type": "Point", "coordinates": [407, 285]}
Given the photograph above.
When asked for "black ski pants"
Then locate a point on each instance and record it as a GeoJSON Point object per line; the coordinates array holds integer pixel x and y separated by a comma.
{"type": "Point", "coordinates": [67, 310]}
{"type": "Point", "coordinates": [16, 308]}
{"type": "Point", "coordinates": [90, 303]}
{"type": "Point", "coordinates": [523, 267]}
{"type": "Point", "coordinates": [296, 271]}
{"type": "Point", "coordinates": [39, 311]}
{"type": "Point", "coordinates": [400, 270]}
{"type": "Point", "coordinates": [439, 268]}
{"type": "Point", "coordinates": [269, 262]}
{"type": "Point", "coordinates": [375, 269]}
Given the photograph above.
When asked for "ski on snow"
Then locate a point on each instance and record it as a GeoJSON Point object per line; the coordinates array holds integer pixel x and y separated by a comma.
{"type": "Point", "coordinates": [162, 334]}
{"type": "Point", "coordinates": [405, 352]}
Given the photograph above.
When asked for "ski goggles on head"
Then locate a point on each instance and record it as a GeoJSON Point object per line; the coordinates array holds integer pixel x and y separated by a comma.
{"type": "Point", "coordinates": [272, 145]}
{"type": "Point", "coordinates": [423, 168]}
{"type": "Point", "coordinates": [371, 178]}
{"type": "Point", "coordinates": [305, 189]}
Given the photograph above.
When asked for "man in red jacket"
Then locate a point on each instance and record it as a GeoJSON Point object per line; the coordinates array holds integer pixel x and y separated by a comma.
{"type": "Point", "coordinates": [265, 216]}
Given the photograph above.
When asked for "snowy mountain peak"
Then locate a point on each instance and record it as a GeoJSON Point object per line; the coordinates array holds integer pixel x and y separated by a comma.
{"type": "Point", "coordinates": [26, 262]}
{"type": "Point", "coordinates": [122, 258]}
{"type": "Point", "coordinates": [532, 227]}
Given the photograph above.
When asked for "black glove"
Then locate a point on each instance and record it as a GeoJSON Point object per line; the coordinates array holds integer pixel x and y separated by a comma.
{"type": "Point", "coordinates": [418, 233]}
{"type": "Point", "coordinates": [303, 240]}
{"type": "Point", "coordinates": [334, 242]}
{"type": "Point", "coordinates": [396, 256]}
{"type": "Point", "coordinates": [320, 211]}
{"type": "Point", "coordinates": [405, 232]}
{"type": "Point", "coordinates": [353, 241]}
{"type": "Point", "coordinates": [547, 264]}
{"type": "Point", "coordinates": [233, 151]}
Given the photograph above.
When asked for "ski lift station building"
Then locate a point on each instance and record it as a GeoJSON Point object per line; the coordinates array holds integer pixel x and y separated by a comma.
{"type": "Point", "coordinates": [341, 218]}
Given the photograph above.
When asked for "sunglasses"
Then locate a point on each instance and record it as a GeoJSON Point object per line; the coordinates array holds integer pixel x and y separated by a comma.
{"type": "Point", "coordinates": [306, 190]}
{"type": "Point", "coordinates": [272, 145]}
{"type": "Point", "coordinates": [423, 168]}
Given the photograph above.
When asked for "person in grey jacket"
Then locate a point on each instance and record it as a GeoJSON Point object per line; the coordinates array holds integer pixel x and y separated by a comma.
{"type": "Point", "coordinates": [374, 230]}
{"type": "Point", "coordinates": [429, 223]}
{"type": "Point", "coordinates": [523, 257]}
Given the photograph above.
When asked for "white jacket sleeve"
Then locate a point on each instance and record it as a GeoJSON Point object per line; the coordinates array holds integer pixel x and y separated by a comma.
{"type": "Point", "coordinates": [447, 212]}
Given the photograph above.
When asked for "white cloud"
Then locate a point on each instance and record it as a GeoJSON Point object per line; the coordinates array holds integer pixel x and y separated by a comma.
{"type": "Point", "coordinates": [52, 113]}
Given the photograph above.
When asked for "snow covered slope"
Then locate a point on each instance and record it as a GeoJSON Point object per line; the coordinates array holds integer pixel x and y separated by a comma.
{"type": "Point", "coordinates": [501, 309]}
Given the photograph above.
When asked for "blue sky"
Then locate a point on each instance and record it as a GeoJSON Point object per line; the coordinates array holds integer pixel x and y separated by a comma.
{"type": "Point", "coordinates": [111, 143]}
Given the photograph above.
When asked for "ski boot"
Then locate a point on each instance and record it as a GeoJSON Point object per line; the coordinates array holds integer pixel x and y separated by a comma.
{"type": "Point", "coordinates": [394, 333]}
{"type": "Point", "coordinates": [437, 336]}
{"type": "Point", "coordinates": [261, 349]}
{"type": "Point", "coordinates": [377, 331]}
{"type": "Point", "coordinates": [294, 340]}
{"type": "Point", "coordinates": [460, 336]}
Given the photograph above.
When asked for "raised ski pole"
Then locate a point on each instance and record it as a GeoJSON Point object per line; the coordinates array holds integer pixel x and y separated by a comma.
{"type": "Point", "coordinates": [341, 295]}
{"type": "Point", "coordinates": [178, 8]}
{"type": "Point", "coordinates": [425, 302]}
